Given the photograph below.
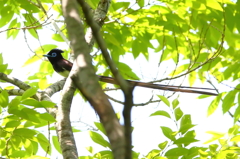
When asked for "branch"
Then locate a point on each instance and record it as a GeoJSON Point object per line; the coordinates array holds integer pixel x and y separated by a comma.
{"type": "Point", "coordinates": [84, 78]}
{"type": "Point", "coordinates": [14, 81]}
{"type": "Point", "coordinates": [126, 88]}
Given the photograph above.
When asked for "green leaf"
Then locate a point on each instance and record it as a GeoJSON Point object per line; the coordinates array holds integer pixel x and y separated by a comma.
{"type": "Point", "coordinates": [163, 145]}
{"type": "Point", "coordinates": [43, 84]}
{"type": "Point", "coordinates": [185, 124]}
{"type": "Point", "coordinates": [47, 104]}
{"type": "Point", "coordinates": [192, 78]}
{"type": "Point", "coordinates": [164, 99]}
{"type": "Point", "coordinates": [185, 140]}
{"type": "Point", "coordinates": [100, 127]}
{"type": "Point", "coordinates": [214, 4]}
{"type": "Point", "coordinates": [127, 71]}
{"type": "Point", "coordinates": [213, 147]}
{"type": "Point", "coordinates": [168, 133]}
{"type": "Point", "coordinates": [12, 124]}
{"type": "Point", "coordinates": [228, 101]}
{"type": "Point", "coordinates": [179, 70]}
{"type": "Point", "coordinates": [214, 104]}
{"type": "Point", "coordinates": [44, 143]}
{"type": "Point", "coordinates": [45, 48]}
{"type": "Point", "coordinates": [184, 128]}
{"type": "Point", "coordinates": [97, 138]}
{"type": "Point", "coordinates": [57, 37]}
{"type": "Point", "coordinates": [47, 117]}
{"type": "Point", "coordinates": [24, 132]}
{"type": "Point", "coordinates": [215, 136]}
{"type": "Point", "coordinates": [141, 3]}
{"type": "Point", "coordinates": [29, 93]}
{"type": "Point", "coordinates": [162, 113]}
{"type": "Point", "coordinates": [31, 102]}
{"type": "Point", "coordinates": [56, 144]}
{"type": "Point", "coordinates": [31, 60]}
{"type": "Point", "coordinates": [153, 153]}
{"type": "Point", "coordinates": [175, 103]}
{"type": "Point", "coordinates": [3, 67]}
{"type": "Point", "coordinates": [178, 113]}
{"type": "Point", "coordinates": [28, 145]}
{"type": "Point", "coordinates": [30, 114]}
{"type": "Point", "coordinates": [90, 149]}
{"type": "Point", "coordinates": [175, 152]}
{"type": "Point", "coordinates": [4, 99]}
{"type": "Point", "coordinates": [6, 15]}
{"type": "Point", "coordinates": [235, 138]}
{"type": "Point", "coordinates": [16, 141]}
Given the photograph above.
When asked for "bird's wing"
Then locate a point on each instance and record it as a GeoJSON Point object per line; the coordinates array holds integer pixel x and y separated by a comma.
{"type": "Point", "coordinates": [161, 87]}
{"type": "Point", "coordinates": [65, 64]}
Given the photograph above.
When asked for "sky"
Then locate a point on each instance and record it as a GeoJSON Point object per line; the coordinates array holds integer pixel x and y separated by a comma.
{"type": "Point", "coordinates": [147, 133]}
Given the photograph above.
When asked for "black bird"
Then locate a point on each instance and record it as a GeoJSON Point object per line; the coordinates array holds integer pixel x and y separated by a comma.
{"type": "Point", "coordinates": [63, 67]}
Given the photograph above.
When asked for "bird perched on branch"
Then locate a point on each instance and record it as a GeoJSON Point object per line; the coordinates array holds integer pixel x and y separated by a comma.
{"type": "Point", "coordinates": [63, 67]}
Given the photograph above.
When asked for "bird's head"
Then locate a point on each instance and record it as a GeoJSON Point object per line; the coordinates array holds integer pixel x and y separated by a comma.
{"type": "Point", "coordinates": [54, 55]}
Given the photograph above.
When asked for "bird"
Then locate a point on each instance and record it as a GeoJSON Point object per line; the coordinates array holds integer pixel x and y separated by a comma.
{"type": "Point", "coordinates": [63, 67]}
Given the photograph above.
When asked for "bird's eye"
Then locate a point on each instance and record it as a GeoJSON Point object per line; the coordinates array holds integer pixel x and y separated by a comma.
{"type": "Point", "coordinates": [54, 54]}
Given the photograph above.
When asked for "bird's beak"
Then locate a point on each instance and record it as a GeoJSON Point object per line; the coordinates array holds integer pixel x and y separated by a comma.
{"type": "Point", "coordinates": [46, 55]}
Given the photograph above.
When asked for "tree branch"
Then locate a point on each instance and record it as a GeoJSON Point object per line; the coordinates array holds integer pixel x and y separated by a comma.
{"type": "Point", "coordinates": [126, 88]}
{"type": "Point", "coordinates": [84, 78]}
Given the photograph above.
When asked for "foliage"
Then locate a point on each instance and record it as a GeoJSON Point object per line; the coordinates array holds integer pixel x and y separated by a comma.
{"type": "Point", "coordinates": [199, 38]}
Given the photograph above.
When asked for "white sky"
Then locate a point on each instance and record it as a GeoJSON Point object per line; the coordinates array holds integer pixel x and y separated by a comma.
{"type": "Point", "coordinates": [147, 133]}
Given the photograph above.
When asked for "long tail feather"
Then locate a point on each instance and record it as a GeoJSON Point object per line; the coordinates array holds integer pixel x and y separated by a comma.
{"type": "Point", "coordinates": [162, 87]}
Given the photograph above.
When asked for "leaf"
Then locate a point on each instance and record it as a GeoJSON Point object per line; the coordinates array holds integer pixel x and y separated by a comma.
{"type": "Point", "coordinates": [214, 104]}
{"type": "Point", "coordinates": [31, 60]}
{"type": "Point", "coordinates": [192, 78]}
{"type": "Point", "coordinates": [235, 138]}
{"type": "Point", "coordinates": [164, 99]}
{"type": "Point", "coordinates": [163, 145]}
{"type": "Point", "coordinates": [6, 15]}
{"type": "Point", "coordinates": [27, 145]}
{"type": "Point", "coordinates": [141, 3]}
{"type": "Point", "coordinates": [175, 152]}
{"type": "Point", "coordinates": [24, 132]}
{"type": "Point", "coordinates": [4, 99]}
{"type": "Point", "coordinates": [31, 102]}
{"type": "Point", "coordinates": [153, 153]}
{"type": "Point", "coordinates": [185, 140]}
{"type": "Point", "coordinates": [45, 48]}
{"type": "Point", "coordinates": [47, 104]}
{"type": "Point", "coordinates": [43, 141]}
{"type": "Point", "coordinates": [178, 113]}
{"type": "Point", "coordinates": [179, 70]}
{"type": "Point", "coordinates": [12, 124]}
{"type": "Point", "coordinates": [168, 133]}
{"type": "Point", "coordinates": [214, 4]}
{"type": "Point", "coordinates": [3, 67]}
{"type": "Point", "coordinates": [184, 128]}
{"type": "Point", "coordinates": [213, 147]}
{"type": "Point", "coordinates": [175, 103]}
{"type": "Point", "coordinates": [43, 84]}
{"type": "Point", "coordinates": [56, 144]}
{"type": "Point", "coordinates": [97, 138]}
{"type": "Point", "coordinates": [29, 93]}
{"type": "Point", "coordinates": [47, 117]}
{"type": "Point", "coordinates": [100, 127]}
{"type": "Point", "coordinates": [185, 124]}
{"type": "Point", "coordinates": [57, 37]}
{"type": "Point", "coordinates": [215, 136]}
{"type": "Point", "coordinates": [228, 101]}
{"type": "Point", "coordinates": [162, 113]}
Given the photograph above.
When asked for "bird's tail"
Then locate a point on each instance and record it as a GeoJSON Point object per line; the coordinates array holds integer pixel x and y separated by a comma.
{"type": "Point", "coordinates": [161, 86]}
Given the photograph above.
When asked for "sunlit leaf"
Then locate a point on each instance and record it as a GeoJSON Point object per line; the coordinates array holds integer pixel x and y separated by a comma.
{"type": "Point", "coordinates": [164, 99]}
